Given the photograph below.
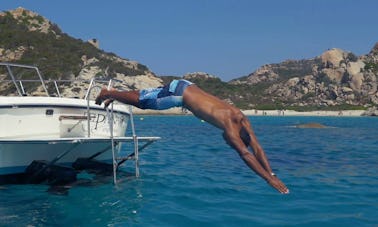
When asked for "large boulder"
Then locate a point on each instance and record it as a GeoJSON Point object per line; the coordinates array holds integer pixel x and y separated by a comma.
{"type": "Point", "coordinates": [333, 57]}
{"type": "Point", "coordinates": [356, 76]}
{"type": "Point", "coordinates": [311, 125]}
{"type": "Point", "coordinates": [334, 74]}
{"type": "Point", "coordinates": [373, 111]}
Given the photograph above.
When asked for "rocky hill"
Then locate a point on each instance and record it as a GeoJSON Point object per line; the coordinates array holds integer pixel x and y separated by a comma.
{"type": "Point", "coordinates": [28, 38]}
{"type": "Point", "coordinates": [336, 79]}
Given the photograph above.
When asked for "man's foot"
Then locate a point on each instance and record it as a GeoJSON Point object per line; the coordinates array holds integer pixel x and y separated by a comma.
{"type": "Point", "coordinates": [102, 96]}
{"type": "Point", "coordinates": [108, 102]}
{"type": "Point", "coordinates": [105, 96]}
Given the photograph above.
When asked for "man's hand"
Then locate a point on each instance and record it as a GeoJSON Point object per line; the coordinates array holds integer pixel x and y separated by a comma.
{"type": "Point", "coordinates": [277, 184]}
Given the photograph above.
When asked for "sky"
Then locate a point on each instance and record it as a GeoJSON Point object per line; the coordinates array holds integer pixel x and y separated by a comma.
{"type": "Point", "coordinates": [226, 38]}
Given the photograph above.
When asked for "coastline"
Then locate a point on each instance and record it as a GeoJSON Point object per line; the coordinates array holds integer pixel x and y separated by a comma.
{"type": "Point", "coordinates": [341, 113]}
{"type": "Point", "coordinates": [178, 111]}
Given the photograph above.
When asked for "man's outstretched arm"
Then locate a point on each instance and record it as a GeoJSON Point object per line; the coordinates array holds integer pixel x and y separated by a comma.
{"type": "Point", "coordinates": [253, 163]}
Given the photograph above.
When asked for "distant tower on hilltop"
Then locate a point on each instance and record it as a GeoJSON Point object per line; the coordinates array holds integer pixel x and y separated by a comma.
{"type": "Point", "coordinates": [95, 43]}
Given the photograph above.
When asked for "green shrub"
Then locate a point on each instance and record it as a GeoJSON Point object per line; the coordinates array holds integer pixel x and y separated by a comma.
{"type": "Point", "coordinates": [373, 66]}
{"type": "Point", "coordinates": [352, 57]}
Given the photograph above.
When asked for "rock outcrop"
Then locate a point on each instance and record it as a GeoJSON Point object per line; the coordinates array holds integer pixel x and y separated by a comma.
{"type": "Point", "coordinates": [198, 75]}
{"type": "Point", "coordinates": [311, 125]}
{"type": "Point", "coordinates": [335, 77]}
{"type": "Point", "coordinates": [33, 21]}
{"type": "Point", "coordinates": [372, 111]}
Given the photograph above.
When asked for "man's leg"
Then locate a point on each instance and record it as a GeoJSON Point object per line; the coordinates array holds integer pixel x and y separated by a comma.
{"type": "Point", "coordinates": [126, 97]}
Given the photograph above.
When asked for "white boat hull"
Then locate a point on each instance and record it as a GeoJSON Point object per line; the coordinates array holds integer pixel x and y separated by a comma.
{"type": "Point", "coordinates": [42, 128]}
{"type": "Point", "coordinates": [15, 156]}
{"type": "Point", "coordinates": [58, 130]}
{"type": "Point", "coordinates": [41, 117]}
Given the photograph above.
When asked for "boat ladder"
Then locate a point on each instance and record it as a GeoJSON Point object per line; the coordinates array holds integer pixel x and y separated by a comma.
{"type": "Point", "coordinates": [115, 141]}
{"type": "Point", "coordinates": [117, 161]}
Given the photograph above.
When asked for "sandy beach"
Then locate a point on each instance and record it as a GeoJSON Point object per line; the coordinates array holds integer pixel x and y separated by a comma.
{"type": "Point", "coordinates": [178, 111]}
{"type": "Point", "coordinates": [345, 113]}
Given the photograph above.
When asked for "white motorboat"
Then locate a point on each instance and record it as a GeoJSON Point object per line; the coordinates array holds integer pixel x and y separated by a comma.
{"type": "Point", "coordinates": [60, 130]}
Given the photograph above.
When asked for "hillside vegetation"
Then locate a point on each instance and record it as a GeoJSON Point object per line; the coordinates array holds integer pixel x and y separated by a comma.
{"type": "Point", "coordinates": [336, 79]}
{"type": "Point", "coordinates": [28, 38]}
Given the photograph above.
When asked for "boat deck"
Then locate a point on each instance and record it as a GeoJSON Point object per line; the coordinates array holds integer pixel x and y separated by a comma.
{"type": "Point", "coordinates": [63, 136]}
{"type": "Point", "coordinates": [80, 140]}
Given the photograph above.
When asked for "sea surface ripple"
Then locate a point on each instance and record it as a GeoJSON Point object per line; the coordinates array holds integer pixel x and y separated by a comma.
{"type": "Point", "coordinates": [191, 177]}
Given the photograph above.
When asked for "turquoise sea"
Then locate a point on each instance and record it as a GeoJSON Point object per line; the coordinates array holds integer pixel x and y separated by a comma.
{"type": "Point", "coordinates": [192, 178]}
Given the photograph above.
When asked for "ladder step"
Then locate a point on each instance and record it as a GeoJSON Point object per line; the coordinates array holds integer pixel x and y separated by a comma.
{"type": "Point", "coordinates": [124, 158]}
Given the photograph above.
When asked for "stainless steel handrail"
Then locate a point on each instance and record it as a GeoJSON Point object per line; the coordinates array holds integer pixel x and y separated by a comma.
{"type": "Point", "coordinates": [19, 83]}
{"type": "Point", "coordinates": [10, 72]}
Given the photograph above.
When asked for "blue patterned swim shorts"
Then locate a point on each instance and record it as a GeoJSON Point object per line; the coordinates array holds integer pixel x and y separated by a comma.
{"type": "Point", "coordinates": [163, 98]}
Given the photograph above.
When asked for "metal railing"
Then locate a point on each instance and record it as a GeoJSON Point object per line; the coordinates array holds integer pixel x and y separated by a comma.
{"type": "Point", "coordinates": [20, 88]}
{"type": "Point", "coordinates": [19, 84]}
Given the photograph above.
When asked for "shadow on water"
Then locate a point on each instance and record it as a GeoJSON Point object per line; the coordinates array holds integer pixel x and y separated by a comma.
{"type": "Point", "coordinates": [93, 200]}
{"type": "Point", "coordinates": [89, 178]}
{"type": "Point", "coordinates": [61, 179]}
